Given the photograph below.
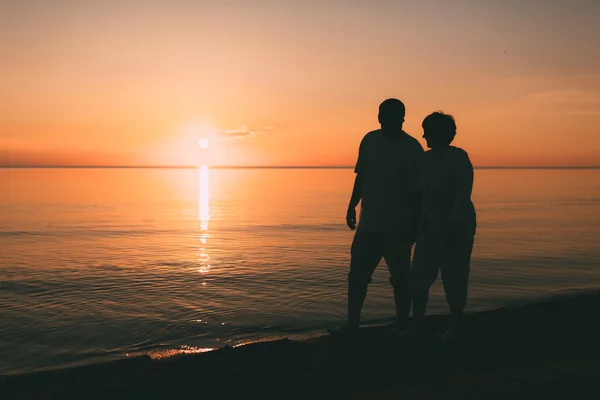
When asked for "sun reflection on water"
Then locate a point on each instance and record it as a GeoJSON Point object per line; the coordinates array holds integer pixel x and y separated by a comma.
{"type": "Point", "coordinates": [203, 196]}
{"type": "Point", "coordinates": [203, 217]}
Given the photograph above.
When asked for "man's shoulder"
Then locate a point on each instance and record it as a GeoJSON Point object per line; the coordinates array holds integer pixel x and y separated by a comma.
{"type": "Point", "coordinates": [372, 134]}
{"type": "Point", "coordinates": [413, 142]}
{"type": "Point", "coordinates": [370, 139]}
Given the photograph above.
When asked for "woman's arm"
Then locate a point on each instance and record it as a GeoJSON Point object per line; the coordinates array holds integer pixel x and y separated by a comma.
{"type": "Point", "coordinates": [463, 188]}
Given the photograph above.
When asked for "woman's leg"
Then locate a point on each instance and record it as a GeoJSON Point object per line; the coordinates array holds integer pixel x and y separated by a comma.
{"type": "Point", "coordinates": [396, 254]}
{"type": "Point", "coordinates": [423, 272]}
{"type": "Point", "coordinates": [455, 268]}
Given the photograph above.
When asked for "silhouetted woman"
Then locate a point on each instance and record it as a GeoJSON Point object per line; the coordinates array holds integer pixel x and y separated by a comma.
{"type": "Point", "coordinates": [448, 222]}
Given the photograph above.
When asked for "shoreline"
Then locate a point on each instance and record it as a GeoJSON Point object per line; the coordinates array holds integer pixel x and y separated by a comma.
{"type": "Point", "coordinates": [546, 349]}
{"type": "Point", "coordinates": [163, 352]}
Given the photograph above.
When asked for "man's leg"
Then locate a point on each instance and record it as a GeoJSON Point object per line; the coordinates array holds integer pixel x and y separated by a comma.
{"type": "Point", "coordinates": [366, 252]}
{"type": "Point", "coordinates": [397, 256]}
{"type": "Point", "coordinates": [455, 268]}
{"type": "Point", "coordinates": [423, 274]}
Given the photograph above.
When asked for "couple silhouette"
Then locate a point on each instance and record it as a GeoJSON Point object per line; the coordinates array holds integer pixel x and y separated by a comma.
{"type": "Point", "coordinates": [411, 197]}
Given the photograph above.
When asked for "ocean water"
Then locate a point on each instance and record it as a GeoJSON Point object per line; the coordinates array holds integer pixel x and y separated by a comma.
{"type": "Point", "coordinates": [101, 264]}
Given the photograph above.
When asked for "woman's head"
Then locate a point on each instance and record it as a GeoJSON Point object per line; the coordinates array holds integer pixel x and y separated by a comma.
{"type": "Point", "coordinates": [439, 129]}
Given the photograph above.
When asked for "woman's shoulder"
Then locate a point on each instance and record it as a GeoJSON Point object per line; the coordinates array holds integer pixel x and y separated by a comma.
{"type": "Point", "coordinates": [458, 151]}
{"type": "Point", "coordinates": [459, 154]}
{"type": "Point", "coordinates": [452, 151]}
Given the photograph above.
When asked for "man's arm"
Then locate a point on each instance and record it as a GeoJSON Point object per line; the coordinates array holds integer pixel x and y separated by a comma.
{"type": "Point", "coordinates": [357, 188]}
{"type": "Point", "coordinates": [416, 200]}
{"type": "Point", "coordinates": [354, 200]}
{"type": "Point", "coordinates": [356, 192]}
{"type": "Point", "coordinates": [416, 204]}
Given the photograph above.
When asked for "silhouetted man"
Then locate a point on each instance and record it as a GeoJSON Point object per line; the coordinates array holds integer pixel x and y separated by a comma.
{"type": "Point", "coordinates": [386, 182]}
{"type": "Point", "coordinates": [448, 221]}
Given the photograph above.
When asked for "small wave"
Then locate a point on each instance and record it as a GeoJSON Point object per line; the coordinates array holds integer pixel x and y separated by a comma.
{"type": "Point", "coordinates": [22, 233]}
{"type": "Point", "coordinates": [79, 232]}
{"type": "Point", "coordinates": [174, 264]}
{"type": "Point", "coordinates": [297, 227]}
{"type": "Point", "coordinates": [24, 287]}
{"type": "Point", "coordinates": [114, 232]}
{"type": "Point", "coordinates": [551, 296]}
{"type": "Point", "coordinates": [104, 267]}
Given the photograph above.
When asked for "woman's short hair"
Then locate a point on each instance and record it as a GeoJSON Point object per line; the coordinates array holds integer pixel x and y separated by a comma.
{"type": "Point", "coordinates": [441, 125]}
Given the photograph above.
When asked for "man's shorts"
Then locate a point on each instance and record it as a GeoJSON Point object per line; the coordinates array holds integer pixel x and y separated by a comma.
{"type": "Point", "coordinates": [368, 248]}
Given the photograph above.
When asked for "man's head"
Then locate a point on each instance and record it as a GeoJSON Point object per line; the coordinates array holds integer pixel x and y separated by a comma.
{"type": "Point", "coordinates": [439, 129]}
{"type": "Point", "coordinates": [391, 114]}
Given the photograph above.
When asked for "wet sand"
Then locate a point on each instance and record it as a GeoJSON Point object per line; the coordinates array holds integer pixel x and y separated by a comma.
{"type": "Point", "coordinates": [545, 350]}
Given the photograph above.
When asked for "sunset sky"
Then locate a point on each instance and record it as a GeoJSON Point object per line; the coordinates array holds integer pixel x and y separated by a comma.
{"type": "Point", "coordinates": [293, 82]}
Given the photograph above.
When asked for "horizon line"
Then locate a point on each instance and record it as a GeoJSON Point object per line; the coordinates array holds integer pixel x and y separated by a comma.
{"type": "Point", "coordinates": [264, 167]}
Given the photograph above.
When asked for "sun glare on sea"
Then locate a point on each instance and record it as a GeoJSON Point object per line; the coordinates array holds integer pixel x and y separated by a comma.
{"type": "Point", "coordinates": [203, 196]}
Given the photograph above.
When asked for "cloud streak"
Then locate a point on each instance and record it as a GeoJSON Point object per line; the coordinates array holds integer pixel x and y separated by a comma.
{"type": "Point", "coordinates": [566, 96]}
{"type": "Point", "coordinates": [570, 102]}
{"type": "Point", "coordinates": [244, 131]}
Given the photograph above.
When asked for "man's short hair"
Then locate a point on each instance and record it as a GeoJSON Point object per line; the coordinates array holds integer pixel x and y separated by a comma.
{"type": "Point", "coordinates": [441, 125]}
{"type": "Point", "coordinates": [392, 110]}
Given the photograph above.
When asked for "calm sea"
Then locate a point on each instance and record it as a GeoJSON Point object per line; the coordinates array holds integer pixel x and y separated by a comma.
{"type": "Point", "coordinates": [100, 264]}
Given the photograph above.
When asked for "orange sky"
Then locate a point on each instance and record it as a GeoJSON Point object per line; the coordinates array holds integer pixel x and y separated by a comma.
{"type": "Point", "coordinates": [294, 83]}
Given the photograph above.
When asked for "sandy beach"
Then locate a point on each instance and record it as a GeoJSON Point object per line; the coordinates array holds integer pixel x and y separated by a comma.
{"type": "Point", "coordinates": [548, 349]}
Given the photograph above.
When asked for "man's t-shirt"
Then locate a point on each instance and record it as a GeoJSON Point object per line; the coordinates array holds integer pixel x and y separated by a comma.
{"type": "Point", "coordinates": [447, 183]}
{"type": "Point", "coordinates": [388, 164]}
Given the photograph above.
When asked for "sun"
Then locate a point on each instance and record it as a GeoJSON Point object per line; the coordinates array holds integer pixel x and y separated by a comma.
{"type": "Point", "coordinates": [203, 143]}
